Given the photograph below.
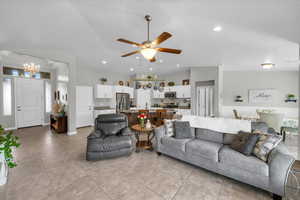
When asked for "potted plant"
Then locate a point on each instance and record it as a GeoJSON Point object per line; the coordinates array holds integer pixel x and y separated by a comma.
{"type": "Point", "coordinates": [7, 142]}
{"type": "Point", "coordinates": [291, 98]}
{"type": "Point", "coordinates": [142, 117]}
{"type": "Point", "coordinates": [103, 80]}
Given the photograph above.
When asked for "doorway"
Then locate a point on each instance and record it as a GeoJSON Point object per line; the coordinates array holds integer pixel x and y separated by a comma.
{"type": "Point", "coordinates": [205, 98]}
{"type": "Point", "coordinates": [29, 102]}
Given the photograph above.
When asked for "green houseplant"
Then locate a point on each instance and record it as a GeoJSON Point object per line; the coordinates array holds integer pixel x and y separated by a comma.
{"type": "Point", "coordinates": [7, 142]}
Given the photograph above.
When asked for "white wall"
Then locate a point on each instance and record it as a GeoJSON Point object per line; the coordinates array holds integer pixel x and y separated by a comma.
{"type": "Point", "coordinates": [176, 77]}
{"type": "Point", "coordinates": [205, 74]}
{"type": "Point", "coordinates": [239, 82]}
{"type": "Point", "coordinates": [90, 77]}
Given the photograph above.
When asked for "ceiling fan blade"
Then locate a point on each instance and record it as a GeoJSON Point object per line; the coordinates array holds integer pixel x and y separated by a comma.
{"type": "Point", "coordinates": [152, 59]}
{"type": "Point", "coordinates": [128, 42]}
{"type": "Point", "coordinates": [164, 36]}
{"type": "Point", "coordinates": [131, 53]}
{"type": "Point", "coordinates": [167, 50]}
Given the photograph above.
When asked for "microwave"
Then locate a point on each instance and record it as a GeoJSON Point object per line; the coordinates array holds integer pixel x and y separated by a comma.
{"type": "Point", "coordinates": [170, 95]}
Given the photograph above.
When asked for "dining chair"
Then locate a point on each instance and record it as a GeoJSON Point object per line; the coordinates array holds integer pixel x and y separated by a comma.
{"type": "Point", "coordinates": [274, 120]}
{"type": "Point", "coordinates": [236, 114]}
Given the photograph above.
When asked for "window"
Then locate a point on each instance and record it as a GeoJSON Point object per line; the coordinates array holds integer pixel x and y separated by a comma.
{"type": "Point", "coordinates": [7, 96]}
{"type": "Point", "coordinates": [48, 96]}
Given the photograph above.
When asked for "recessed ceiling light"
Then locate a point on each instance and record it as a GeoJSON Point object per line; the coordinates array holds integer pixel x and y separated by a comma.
{"type": "Point", "coordinates": [177, 65]}
{"type": "Point", "coordinates": [137, 57]}
{"type": "Point", "coordinates": [217, 28]}
{"type": "Point", "coordinates": [150, 68]}
{"type": "Point", "coordinates": [131, 69]}
{"type": "Point", "coordinates": [161, 60]}
{"type": "Point", "coordinates": [104, 62]}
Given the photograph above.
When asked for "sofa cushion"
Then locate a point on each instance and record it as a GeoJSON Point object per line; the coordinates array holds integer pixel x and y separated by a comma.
{"type": "Point", "coordinates": [173, 143]}
{"type": "Point", "coordinates": [204, 149]}
{"type": "Point", "coordinates": [251, 164]}
{"type": "Point", "coordinates": [110, 143]}
{"type": "Point", "coordinates": [182, 130]}
{"type": "Point", "coordinates": [209, 135]}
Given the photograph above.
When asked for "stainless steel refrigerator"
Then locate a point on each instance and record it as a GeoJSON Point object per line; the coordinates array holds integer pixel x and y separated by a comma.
{"type": "Point", "coordinates": [122, 102]}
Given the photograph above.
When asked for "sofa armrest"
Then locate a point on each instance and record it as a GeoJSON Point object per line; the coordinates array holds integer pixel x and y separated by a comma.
{"type": "Point", "coordinates": [159, 132]}
{"type": "Point", "coordinates": [280, 163]}
{"type": "Point", "coordinates": [126, 132]}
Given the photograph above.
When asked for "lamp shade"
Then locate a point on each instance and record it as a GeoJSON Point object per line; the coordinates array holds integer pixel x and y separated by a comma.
{"type": "Point", "coordinates": [148, 53]}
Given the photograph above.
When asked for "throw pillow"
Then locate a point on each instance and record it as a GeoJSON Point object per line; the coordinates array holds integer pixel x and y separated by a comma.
{"type": "Point", "coordinates": [239, 141]}
{"type": "Point", "coordinates": [182, 130]}
{"type": "Point", "coordinates": [244, 142]}
{"type": "Point", "coordinates": [168, 123]}
{"type": "Point", "coordinates": [265, 144]}
{"type": "Point", "coordinates": [250, 144]}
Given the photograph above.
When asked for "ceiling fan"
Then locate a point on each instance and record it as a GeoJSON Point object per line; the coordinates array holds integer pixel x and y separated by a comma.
{"type": "Point", "coordinates": [149, 48]}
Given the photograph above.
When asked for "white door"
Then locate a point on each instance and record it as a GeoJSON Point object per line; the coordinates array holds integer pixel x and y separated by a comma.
{"type": "Point", "coordinates": [29, 102]}
{"type": "Point", "coordinates": [205, 102]}
{"type": "Point", "coordinates": [84, 106]}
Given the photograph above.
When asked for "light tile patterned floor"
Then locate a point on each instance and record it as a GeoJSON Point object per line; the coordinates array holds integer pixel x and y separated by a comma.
{"type": "Point", "coordinates": [53, 167]}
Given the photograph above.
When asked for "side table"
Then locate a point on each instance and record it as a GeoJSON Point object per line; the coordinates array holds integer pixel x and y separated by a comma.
{"type": "Point", "coordinates": [144, 144]}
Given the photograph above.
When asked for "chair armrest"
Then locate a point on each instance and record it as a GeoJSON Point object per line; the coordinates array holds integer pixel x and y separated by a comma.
{"type": "Point", "coordinates": [159, 132]}
{"type": "Point", "coordinates": [95, 134]}
{"type": "Point", "coordinates": [126, 132]}
{"type": "Point", "coordinates": [280, 163]}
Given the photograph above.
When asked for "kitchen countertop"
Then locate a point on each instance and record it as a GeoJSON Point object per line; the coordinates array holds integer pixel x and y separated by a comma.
{"type": "Point", "coordinates": [103, 108]}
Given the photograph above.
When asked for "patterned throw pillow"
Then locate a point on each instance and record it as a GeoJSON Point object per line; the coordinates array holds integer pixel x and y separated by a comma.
{"type": "Point", "coordinates": [169, 126]}
{"type": "Point", "coordinates": [265, 144]}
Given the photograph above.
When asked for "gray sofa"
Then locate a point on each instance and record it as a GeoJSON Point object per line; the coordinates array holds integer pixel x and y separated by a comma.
{"type": "Point", "coordinates": [210, 150]}
{"type": "Point", "coordinates": [111, 138]}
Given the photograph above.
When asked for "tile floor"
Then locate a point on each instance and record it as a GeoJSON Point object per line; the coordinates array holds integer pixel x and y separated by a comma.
{"type": "Point", "coordinates": [53, 167]}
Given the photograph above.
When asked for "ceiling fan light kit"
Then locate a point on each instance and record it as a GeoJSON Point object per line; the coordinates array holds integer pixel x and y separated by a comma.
{"type": "Point", "coordinates": [150, 48]}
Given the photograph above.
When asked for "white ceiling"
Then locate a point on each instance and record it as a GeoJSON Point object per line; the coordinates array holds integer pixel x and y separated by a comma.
{"type": "Point", "coordinates": [254, 31]}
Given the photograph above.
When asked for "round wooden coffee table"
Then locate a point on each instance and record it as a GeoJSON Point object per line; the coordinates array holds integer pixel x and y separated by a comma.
{"type": "Point", "coordinates": [143, 144]}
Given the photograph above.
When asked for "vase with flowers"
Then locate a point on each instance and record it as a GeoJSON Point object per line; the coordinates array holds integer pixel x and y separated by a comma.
{"type": "Point", "coordinates": [142, 118]}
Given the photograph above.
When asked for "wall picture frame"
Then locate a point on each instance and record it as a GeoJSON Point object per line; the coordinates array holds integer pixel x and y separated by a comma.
{"type": "Point", "coordinates": [262, 96]}
{"type": "Point", "coordinates": [186, 82]}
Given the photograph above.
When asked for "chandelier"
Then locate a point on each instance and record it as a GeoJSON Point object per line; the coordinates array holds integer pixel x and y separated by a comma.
{"type": "Point", "coordinates": [31, 68]}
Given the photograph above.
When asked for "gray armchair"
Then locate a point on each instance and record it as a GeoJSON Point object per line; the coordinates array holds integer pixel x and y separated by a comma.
{"type": "Point", "coordinates": [111, 138]}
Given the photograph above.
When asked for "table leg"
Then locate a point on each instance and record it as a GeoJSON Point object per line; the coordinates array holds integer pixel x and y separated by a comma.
{"type": "Point", "coordinates": [137, 142]}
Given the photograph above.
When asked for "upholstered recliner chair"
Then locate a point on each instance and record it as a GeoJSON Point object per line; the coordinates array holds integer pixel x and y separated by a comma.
{"type": "Point", "coordinates": [111, 138]}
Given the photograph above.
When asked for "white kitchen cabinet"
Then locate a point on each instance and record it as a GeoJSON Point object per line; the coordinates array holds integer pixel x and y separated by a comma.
{"type": "Point", "coordinates": [170, 89]}
{"type": "Point", "coordinates": [183, 91]}
{"type": "Point", "coordinates": [124, 89]}
{"type": "Point", "coordinates": [103, 91]}
{"type": "Point", "coordinates": [143, 99]}
{"type": "Point", "coordinates": [101, 112]}
{"type": "Point", "coordinates": [158, 95]}
{"type": "Point", "coordinates": [183, 111]}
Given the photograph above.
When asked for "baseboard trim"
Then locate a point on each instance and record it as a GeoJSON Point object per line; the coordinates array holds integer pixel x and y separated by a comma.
{"type": "Point", "coordinates": [72, 133]}
{"type": "Point", "coordinates": [46, 124]}
{"type": "Point", "coordinates": [11, 128]}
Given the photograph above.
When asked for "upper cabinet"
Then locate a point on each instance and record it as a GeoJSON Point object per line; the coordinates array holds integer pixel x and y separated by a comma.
{"type": "Point", "coordinates": [103, 91]}
{"type": "Point", "coordinates": [183, 91]}
{"type": "Point", "coordinates": [124, 89]}
{"type": "Point", "coordinates": [158, 95]}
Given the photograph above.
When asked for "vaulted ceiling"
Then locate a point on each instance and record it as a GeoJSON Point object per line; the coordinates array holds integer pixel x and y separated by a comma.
{"type": "Point", "coordinates": [254, 31]}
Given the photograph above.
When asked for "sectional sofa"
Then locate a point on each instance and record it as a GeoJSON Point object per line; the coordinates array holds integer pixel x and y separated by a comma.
{"type": "Point", "coordinates": [210, 150]}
